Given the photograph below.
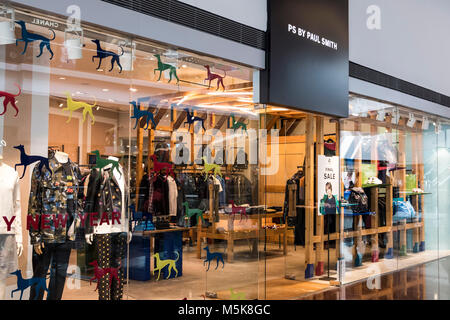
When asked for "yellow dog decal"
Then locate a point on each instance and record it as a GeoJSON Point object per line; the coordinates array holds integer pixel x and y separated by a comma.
{"type": "Point", "coordinates": [75, 105]}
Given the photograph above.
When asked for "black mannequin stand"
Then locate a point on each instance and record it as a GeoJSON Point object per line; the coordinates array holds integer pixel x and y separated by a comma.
{"type": "Point", "coordinates": [328, 278]}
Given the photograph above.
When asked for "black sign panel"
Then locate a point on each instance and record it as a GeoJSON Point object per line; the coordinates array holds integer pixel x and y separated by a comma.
{"type": "Point", "coordinates": [307, 64]}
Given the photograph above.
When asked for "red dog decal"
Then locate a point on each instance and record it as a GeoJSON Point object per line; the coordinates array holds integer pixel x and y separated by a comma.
{"type": "Point", "coordinates": [10, 98]}
{"type": "Point", "coordinates": [213, 76]}
{"type": "Point", "coordinates": [100, 272]}
{"type": "Point", "coordinates": [235, 209]}
{"type": "Point", "coordinates": [158, 166]}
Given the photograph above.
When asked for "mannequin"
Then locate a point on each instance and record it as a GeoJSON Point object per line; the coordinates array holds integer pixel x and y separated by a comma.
{"type": "Point", "coordinates": [106, 193]}
{"type": "Point", "coordinates": [10, 240]}
{"type": "Point", "coordinates": [62, 157]}
{"type": "Point", "coordinates": [52, 245]}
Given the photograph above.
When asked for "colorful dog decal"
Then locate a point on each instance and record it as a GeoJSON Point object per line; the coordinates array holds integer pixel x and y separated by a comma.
{"type": "Point", "coordinates": [236, 124]}
{"type": "Point", "coordinates": [23, 284]}
{"type": "Point", "coordinates": [161, 264]}
{"type": "Point", "coordinates": [99, 273]}
{"type": "Point", "coordinates": [100, 163]}
{"type": "Point", "coordinates": [75, 105]}
{"type": "Point", "coordinates": [191, 119]}
{"type": "Point", "coordinates": [212, 76]}
{"type": "Point", "coordinates": [163, 67]}
{"type": "Point", "coordinates": [211, 256]}
{"type": "Point", "coordinates": [28, 37]}
{"type": "Point", "coordinates": [190, 212]}
{"type": "Point", "coordinates": [103, 54]}
{"type": "Point", "coordinates": [137, 114]}
{"type": "Point", "coordinates": [235, 209]}
{"type": "Point", "coordinates": [211, 166]}
{"type": "Point", "coordinates": [10, 99]}
{"type": "Point", "coordinates": [159, 166]}
{"type": "Point", "coordinates": [236, 295]}
{"type": "Point", "coordinates": [26, 160]}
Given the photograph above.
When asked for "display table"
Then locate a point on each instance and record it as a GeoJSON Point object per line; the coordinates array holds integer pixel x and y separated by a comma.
{"type": "Point", "coordinates": [231, 235]}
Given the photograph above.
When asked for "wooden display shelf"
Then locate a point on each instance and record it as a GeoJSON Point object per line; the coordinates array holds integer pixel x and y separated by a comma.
{"type": "Point", "coordinates": [382, 185]}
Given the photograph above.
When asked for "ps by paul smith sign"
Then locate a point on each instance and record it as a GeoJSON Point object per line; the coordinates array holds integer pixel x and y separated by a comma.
{"type": "Point", "coordinates": [307, 65]}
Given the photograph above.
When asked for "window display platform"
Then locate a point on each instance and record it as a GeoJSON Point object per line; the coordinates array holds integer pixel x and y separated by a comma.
{"type": "Point", "coordinates": [192, 284]}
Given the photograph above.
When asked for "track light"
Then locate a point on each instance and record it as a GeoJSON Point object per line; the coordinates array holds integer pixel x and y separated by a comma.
{"type": "Point", "coordinates": [395, 116]}
{"type": "Point", "coordinates": [425, 123]}
{"type": "Point", "coordinates": [7, 27]}
{"type": "Point", "coordinates": [411, 120]}
{"type": "Point", "coordinates": [381, 114]}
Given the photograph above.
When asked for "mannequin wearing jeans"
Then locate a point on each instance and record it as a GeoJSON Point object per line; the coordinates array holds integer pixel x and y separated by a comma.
{"type": "Point", "coordinates": [52, 245]}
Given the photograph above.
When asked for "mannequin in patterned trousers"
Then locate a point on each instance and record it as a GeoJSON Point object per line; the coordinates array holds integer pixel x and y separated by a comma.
{"type": "Point", "coordinates": [111, 248]}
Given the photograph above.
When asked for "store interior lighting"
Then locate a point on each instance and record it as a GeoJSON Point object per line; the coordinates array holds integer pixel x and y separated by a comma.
{"type": "Point", "coordinates": [411, 120]}
{"type": "Point", "coordinates": [425, 123]}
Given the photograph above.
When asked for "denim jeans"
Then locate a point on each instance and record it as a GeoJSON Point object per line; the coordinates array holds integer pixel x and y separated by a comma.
{"type": "Point", "coordinates": [56, 254]}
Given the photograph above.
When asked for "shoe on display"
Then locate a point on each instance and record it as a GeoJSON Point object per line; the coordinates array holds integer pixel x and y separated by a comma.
{"type": "Point", "coordinates": [374, 180]}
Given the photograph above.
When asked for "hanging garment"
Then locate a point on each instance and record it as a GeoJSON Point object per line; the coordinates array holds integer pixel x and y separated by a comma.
{"type": "Point", "coordinates": [299, 220]}
{"type": "Point", "coordinates": [160, 199]}
{"type": "Point", "coordinates": [173, 195]}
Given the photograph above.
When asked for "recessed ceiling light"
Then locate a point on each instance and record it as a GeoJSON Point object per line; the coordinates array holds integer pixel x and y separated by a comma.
{"type": "Point", "coordinates": [62, 78]}
{"type": "Point", "coordinates": [105, 90]}
{"type": "Point", "coordinates": [184, 66]}
{"type": "Point", "coordinates": [98, 108]}
{"type": "Point", "coordinates": [60, 105]}
{"type": "Point", "coordinates": [133, 89]}
{"type": "Point", "coordinates": [111, 100]}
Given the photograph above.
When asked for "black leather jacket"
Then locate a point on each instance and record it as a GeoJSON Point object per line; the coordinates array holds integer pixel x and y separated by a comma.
{"type": "Point", "coordinates": [103, 198]}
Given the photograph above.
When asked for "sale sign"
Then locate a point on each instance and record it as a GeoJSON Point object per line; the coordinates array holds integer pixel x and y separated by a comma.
{"type": "Point", "coordinates": [328, 190]}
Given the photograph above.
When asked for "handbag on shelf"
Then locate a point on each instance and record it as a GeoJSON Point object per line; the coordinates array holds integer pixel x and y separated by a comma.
{"type": "Point", "coordinates": [359, 200]}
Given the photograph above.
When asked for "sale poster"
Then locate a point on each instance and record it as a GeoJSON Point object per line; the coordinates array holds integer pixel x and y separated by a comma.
{"type": "Point", "coordinates": [328, 188]}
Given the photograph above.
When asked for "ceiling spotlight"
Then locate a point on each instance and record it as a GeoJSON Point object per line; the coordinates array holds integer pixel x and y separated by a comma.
{"type": "Point", "coordinates": [437, 128]}
{"type": "Point", "coordinates": [60, 105]}
{"type": "Point", "coordinates": [62, 78]}
{"type": "Point", "coordinates": [105, 90]}
{"type": "Point", "coordinates": [395, 117]}
{"type": "Point", "coordinates": [411, 120]}
{"type": "Point", "coordinates": [98, 108]}
{"type": "Point", "coordinates": [133, 89]}
{"type": "Point", "coordinates": [381, 115]}
{"type": "Point", "coordinates": [184, 66]}
{"type": "Point", "coordinates": [425, 123]}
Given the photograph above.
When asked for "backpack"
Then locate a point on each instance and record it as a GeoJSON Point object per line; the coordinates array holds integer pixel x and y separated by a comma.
{"type": "Point", "coordinates": [359, 199]}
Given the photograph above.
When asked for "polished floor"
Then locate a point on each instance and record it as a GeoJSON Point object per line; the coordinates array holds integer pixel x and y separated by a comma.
{"type": "Point", "coordinates": [276, 277]}
{"type": "Point", "coordinates": [428, 281]}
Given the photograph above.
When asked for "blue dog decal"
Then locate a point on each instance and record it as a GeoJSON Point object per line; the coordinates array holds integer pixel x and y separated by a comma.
{"type": "Point", "coordinates": [28, 37]}
{"type": "Point", "coordinates": [210, 256]}
{"type": "Point", "coordinates": [23, 284]}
